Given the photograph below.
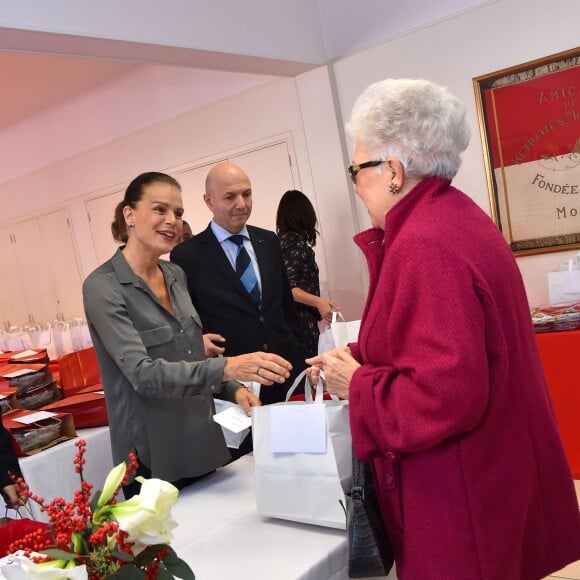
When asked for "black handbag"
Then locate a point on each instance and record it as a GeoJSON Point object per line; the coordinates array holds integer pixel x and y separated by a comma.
{"type": "Point", "coordinates": [369, 550]}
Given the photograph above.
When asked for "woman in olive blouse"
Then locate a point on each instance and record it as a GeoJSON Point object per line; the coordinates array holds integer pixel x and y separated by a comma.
{"type": "Point", "coordinates": [148, 340]}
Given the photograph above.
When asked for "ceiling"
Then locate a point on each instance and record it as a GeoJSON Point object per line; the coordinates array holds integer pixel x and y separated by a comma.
{"type": "Point", "coordinates": [53, 107]}
{"type": "Point", "coordinates": [36, 83]}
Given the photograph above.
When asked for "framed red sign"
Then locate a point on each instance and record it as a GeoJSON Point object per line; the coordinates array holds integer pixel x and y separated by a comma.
{"type": "Point", "coordinates": [529, 118]}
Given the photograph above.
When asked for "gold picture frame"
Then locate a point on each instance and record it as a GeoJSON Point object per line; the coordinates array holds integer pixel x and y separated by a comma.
{"type": "Point", "coordinates": [529, 120]}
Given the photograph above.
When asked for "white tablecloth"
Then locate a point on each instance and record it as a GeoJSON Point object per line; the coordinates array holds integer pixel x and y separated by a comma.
{"type": "Point", "coordinates": [221, 536]}
{"type": "Point", "coordinates": [51, 472]}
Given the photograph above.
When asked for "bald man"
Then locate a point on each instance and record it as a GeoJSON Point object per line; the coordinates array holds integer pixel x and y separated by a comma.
{"type": "Point", "coordinates": [254, 311]}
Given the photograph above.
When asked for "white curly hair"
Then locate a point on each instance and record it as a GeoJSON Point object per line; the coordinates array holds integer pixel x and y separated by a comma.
{"type": "Point", "coordinates": [416, 121]}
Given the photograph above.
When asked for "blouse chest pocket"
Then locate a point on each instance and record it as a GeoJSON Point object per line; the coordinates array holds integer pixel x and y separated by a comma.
{"type": "Point", "coordinates": [195, 317]}
{"type": "Point", "coordinates": [156, 336]}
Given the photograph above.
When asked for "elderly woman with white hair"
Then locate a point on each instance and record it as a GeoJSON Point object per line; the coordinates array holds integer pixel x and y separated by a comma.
{"type": "Point", "coordinates": [448, 401]}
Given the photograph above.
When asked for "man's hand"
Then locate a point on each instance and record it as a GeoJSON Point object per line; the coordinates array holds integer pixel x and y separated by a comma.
{"type": "Point", "coordinates": [210, 345]}
{"type": "Point", "coordinates": [246, 399]}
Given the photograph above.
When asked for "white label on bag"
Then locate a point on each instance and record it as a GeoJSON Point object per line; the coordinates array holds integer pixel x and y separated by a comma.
{"type": "Point", "coordinates": [18, 373]}
{"type": "Point", "coordinates": [297, 428]}
{"type": "Point", "coordinates": [234, 419]}
{"type": "Point", "coordinates": [25, 354]}
{"type": "Point", "coordinates": [33, 417]}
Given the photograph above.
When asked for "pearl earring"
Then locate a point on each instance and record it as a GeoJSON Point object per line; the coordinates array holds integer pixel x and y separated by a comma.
{"type": "Point", "coordinates": [394, 188]}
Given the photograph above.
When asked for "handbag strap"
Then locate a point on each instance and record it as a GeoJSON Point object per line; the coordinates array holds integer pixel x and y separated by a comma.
{"type": "Point", "coordinates": [358, 473]}
{"type": "Point", "coordinates": [26, 508]}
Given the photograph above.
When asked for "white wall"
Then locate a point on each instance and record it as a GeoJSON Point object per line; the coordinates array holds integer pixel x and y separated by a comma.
{"type": "Point", "coordinates": [347, 281]}
{"type": "Point", "coordinates": [452, 53]}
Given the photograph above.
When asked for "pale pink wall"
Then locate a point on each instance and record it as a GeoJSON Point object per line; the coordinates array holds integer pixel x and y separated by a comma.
{"type": "Point", "coordinates": [145, 95]}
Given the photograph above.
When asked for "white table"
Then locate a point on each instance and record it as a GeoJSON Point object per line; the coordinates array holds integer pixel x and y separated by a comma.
{"type": "Point", "coordinates": [221, 536]}
{"type": "Point", "coordinates": [51, 472]}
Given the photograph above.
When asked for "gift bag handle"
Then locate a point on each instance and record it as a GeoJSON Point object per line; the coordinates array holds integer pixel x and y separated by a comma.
{"type": "Point", "coordinates": [335, 315]}
{"type": "Point", "coordinates": [319, 398]}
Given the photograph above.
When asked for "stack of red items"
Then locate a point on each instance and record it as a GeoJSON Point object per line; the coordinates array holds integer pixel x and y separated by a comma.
{"type": "Point", "coordinates": [32, 383]}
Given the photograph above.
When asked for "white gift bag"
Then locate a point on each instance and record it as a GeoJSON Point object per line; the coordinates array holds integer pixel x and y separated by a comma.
{"type": "Point", "coordinates": [338, 333]}
{"type": "Point", "coordinates": [62, 338]}
{"type": "Point", "coordinates": [297, 485]}
{"type": "Point", "coordinates": [564, 286]}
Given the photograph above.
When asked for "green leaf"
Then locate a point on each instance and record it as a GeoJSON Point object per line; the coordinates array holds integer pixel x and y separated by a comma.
{"type": "Point", "coordinates": [59, 554]}
{"type": "Point", "coordinates": [123, 556]}
{"type": "Point", "coordinates": [147, 556]}
{"type": "Point", "coordinates": [170, 557]}
{"type": "Point", "coordinates": [95, 500]}
{"type": "Point", "coordinates": [128, 573]}
{"type": "Point", "coordinates": [163, 574]}
{"type": "Point", "coordinates": [180, 569]}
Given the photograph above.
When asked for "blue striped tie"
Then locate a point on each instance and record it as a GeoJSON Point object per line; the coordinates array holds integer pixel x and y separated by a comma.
{"type": "Point", "coordinates": [245, 270]}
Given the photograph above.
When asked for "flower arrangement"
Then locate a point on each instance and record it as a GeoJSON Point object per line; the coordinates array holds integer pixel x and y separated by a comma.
{"type": "Point", "coordinates": [94, 537]}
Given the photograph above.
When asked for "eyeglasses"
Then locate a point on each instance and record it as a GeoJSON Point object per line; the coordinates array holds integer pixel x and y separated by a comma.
{"type": "Point", "coordinates": [354, 169]}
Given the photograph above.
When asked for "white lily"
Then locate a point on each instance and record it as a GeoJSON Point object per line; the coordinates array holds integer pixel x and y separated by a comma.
{"type": "Point", "coordinates": [146, 517]}
{"type": "Point", "coordinates": [21, 568]}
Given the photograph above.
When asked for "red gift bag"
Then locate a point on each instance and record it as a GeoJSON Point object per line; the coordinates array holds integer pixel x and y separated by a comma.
{"type": "Point", "coordinates": [87, 409]}
{"type": "Point", "coordinates": [12, 530]}
{"type": "Point", "coordinates": [78, 370]}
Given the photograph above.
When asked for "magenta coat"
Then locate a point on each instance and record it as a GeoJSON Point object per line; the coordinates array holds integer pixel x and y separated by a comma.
{"type": "Point", "coordinates": [450, 404]}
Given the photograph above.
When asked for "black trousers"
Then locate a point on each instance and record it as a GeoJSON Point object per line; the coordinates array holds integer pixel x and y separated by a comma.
{"type": "Point", "coordinates": [134, 487]}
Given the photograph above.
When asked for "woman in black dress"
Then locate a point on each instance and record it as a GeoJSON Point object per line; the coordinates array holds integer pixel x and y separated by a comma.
{"type": "Point", "coordinates": [296, 228]}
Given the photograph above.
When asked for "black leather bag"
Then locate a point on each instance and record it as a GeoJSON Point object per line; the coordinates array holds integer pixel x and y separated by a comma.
{"type": "Point", "coordinates": [369, 550]}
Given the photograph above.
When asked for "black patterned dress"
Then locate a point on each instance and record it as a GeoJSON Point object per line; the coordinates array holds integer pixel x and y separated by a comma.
{"type": "Point", "coordinates": [303, 273]}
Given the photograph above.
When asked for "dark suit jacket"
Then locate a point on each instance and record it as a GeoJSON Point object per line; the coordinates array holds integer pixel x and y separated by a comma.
{"type": "Point", "coordinates": [225, 306]}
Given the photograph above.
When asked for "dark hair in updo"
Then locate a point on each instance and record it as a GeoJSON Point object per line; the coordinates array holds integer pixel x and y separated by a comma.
{"type": "Point", "coordinates": [133, 194]}
{"type": "Point", "coordinates": [296, 214]}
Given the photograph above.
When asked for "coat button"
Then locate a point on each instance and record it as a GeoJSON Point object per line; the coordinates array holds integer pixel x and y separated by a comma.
{"type": "Point", "coordinates": [265, 346]}
{"type": "Point", "coordinates": [391, 456]}
{"type": "Point", "coordinates": [262, 319]}
{"type": "Point", "coordinates": [389, 479]}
